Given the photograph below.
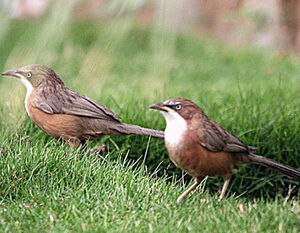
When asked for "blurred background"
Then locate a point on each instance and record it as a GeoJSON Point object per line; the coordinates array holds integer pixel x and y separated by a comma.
{"type": "Point", "coordinates": [238, 59]}
{"type": "Point", "coordinates": [83, 38]}
{"type": "Point", "coordinates": [271, 23]}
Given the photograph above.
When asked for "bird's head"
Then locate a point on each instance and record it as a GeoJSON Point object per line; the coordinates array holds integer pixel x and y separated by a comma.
{"type": "Point", "coordinates": [178, 108]}
{"type": "Point", "coordinates": [32, 75]}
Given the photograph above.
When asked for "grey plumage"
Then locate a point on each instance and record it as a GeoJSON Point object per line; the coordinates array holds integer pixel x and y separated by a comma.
{"type": "Point", "coordinates": [54, 97]}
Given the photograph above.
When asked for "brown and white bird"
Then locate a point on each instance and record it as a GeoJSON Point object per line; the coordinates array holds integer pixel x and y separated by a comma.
{"type": "Point", "coordinates": [202, 148]}
{"type": "Point", "coordinates": [64, 113]}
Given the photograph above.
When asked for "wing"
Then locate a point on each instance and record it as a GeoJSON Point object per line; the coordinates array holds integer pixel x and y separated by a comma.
{"type": "Point", "coordinates": [215, 138]}
{"type": "Point", "coordinates": [66, 101]}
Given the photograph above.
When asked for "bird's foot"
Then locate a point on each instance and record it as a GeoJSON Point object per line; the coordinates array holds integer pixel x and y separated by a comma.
{"type": "Point", "coordinates": [179, 200]}
{"type": "Point", "coordinates": [99, 149]}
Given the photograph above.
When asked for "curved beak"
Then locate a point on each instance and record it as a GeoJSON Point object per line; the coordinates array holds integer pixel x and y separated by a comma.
{"type": "Point", "coordinates": [159, 106]}
{"type": "Point", "coordinates": [13, 73]}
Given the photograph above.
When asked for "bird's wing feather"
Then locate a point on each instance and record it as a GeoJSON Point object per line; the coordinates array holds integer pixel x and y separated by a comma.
{"type": "Point", "coordinates": [45, 108]}
{"type": "Point", "coordinates": [215, 138]}
{"type": "Point", "coordinates": [66, 101]}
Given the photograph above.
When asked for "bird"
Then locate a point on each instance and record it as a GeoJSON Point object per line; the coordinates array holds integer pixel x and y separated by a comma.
{"type": "Point", "coordinates": [201, 147]}
{"type": "Point", "coordinates": [65, 114]}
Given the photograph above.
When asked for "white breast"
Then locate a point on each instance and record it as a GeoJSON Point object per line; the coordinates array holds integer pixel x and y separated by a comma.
{"type": "Point", "coordinates": [176, 126]}
{"type": "Point", "coordinates": [29, 89]}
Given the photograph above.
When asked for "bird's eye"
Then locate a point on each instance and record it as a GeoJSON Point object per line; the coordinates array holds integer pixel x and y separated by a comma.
{"type": "Point", "coordinates": [178, 107]}
{"type": "Point", "coordinates": [29, 74]}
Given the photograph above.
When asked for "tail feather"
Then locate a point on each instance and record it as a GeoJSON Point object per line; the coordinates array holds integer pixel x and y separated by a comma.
{"type": "Point", "coordinates": [135, 129]}
{"type": "Point", "coordinates": [252, 148]}
{"type": "Point", "coordinates": [285, 169]}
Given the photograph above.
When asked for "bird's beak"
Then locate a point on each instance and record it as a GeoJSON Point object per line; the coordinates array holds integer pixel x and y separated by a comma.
{"type": "Point", "coordinates": [11, 73]}
{"type": "Point", "coordinates": [160, 107]}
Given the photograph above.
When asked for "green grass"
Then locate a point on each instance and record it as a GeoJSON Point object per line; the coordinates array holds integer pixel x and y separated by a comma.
{"type": "Point", "coordinates": [77, 192]}
{"type": "Point", "coordinates": [47, 187]}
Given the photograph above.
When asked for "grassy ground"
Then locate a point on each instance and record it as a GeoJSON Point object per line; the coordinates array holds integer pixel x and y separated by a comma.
{"type": "Point", "coordinates": [47, 187]}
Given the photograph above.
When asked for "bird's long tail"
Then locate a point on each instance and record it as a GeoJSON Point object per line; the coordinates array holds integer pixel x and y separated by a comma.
{"type": "Point", "coordinates": [287, 170]}
{"type": "Point", "coordinates": [135, 129]}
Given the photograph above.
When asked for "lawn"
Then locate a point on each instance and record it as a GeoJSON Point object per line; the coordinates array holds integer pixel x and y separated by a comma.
{"type": "Point", "coordinates": [48, 187]}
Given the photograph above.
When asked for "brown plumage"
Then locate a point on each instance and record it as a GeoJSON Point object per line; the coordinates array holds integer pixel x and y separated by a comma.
{"type": "Point", "coordinates": [201, 147]}
{"type": "Point", "coordinates": [64, 113]}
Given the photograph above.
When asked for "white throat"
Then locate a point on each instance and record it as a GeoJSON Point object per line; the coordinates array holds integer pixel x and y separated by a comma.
{"type": "Point", "coordinates": [29, 89]}
{"type": "Point", "coordinates": [176, 126]}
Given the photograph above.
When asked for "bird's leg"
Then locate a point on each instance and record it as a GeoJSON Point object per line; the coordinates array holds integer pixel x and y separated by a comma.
{"type": "Point", "coordinates": [74, 142]}
{"type": "Point", "coordinates": [99, 149]}
{"type": "Point", "coordinates": [227, 179]}
{"type": "Point", "coordinates": [190, 189]}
